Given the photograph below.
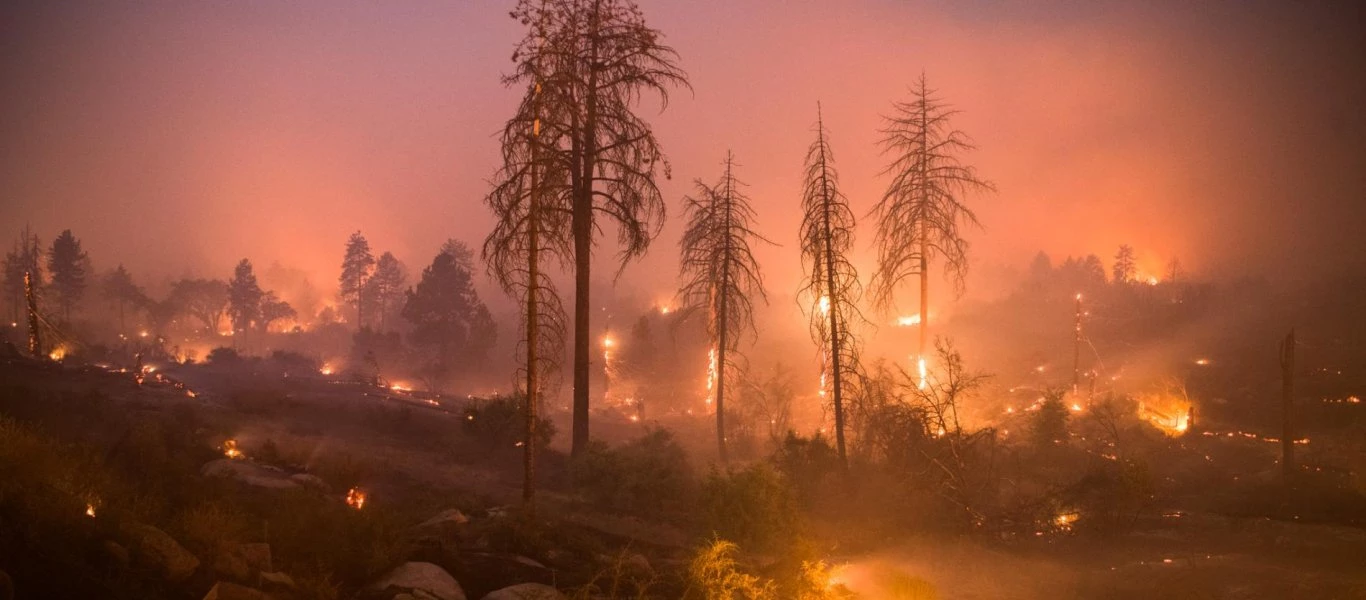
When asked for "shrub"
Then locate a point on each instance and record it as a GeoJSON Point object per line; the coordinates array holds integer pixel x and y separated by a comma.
{"type": "Point", "coordinates": [499, 425]}
{"type": "Point", "coordinates": [753, 506]}
{"type": "Point", "coordinates": [714, 574]}
{"type": "Point", "coordinates": [646, 475]}
{"type": "Point", "coordinates": [223, 355]}
{"type": "Point", "coordinates": [809, 464]}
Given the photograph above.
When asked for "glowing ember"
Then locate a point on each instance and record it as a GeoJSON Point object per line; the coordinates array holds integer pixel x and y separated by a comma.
{"type": "Point", "coordinates": [1202, 361]}
{"type": "Point", "coordinates": [400, 387]}
{"type": "Point", "coordinates": [90, 510]}
{"type": "Point", "coordinates": [326, 369]}
{"type": "Point", "coordinates": [143, 333]}
{"type": "Point", "coordinates": [57, 353]}
{"type": "Point", "coordinates": [1064, 521]}
{"type": "Point", "coordinates": [230, 449]}
{"type": "Point", "coordinates": [190, 393]}
{"type": "Point", "coordinates": [355, 498]}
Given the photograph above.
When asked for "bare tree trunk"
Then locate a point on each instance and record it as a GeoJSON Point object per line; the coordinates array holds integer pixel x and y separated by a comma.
{"type": "Point", "coordinates": [723, 326]}
{"type": "Point", "coordinates": [35, 340]}
{"type": "Point", "coordinates": [1287, 405]}
{"type": "Point", "coordinates": [834, 316]}
{"type": "Point", "coordinates": [1076, 349]}
{"type": "Point", "coordinates": [532, 391]}
{"type": "Point", "coordinates": [583, 245]}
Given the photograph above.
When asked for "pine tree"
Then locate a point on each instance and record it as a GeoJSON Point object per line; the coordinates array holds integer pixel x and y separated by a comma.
{"type": "Point", "coordinates": [831, 285]}
{"type": "Point", "coordinates": [244, 297]}
{"type": "Point", "coordinates": [589, 62]}
{"type": "Point", "coordinates": [120, 290]}
{"type": "Point", "coordinates": [66, 263]}
{"type": "Point", "coordinates": [921, 214]}
{"type": "Point", "coordinates": [387, 286]}
{"type": "Point", "coordinates": [1126, 269]}
{"type": "Point", "coordinates": [357, 266]}
{"type": "Point", "coordinates": [720, 275]}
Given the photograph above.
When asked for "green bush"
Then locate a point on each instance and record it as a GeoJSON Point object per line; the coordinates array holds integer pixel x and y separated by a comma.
{"type": "Point", "coordinates": [753, 506]}
{"type": "Point", "coordinates": [648, 475]}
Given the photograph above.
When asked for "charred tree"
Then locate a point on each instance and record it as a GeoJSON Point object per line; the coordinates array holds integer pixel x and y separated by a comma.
{"type": "Point", "coordinates": [831, 287]}
{"type": "Point", "coordinates": [922, 213]}
{"type": "Point", "coordinates": [532, 203]}
{"type": "Point", "coordinates": [594, 60]}
{"type": "Point", "coordinates": [720, 276]}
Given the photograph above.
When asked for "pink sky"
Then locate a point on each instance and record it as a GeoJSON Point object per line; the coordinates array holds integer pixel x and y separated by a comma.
{"type": "Point", "coordinates": [179, 137]}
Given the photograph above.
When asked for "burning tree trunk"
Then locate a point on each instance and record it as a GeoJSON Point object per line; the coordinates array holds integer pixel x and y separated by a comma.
{"type": "Point", "coordinates": [35, 340]}
{"type": "Point", "coordinates": [920, 214]}
{"type": "Point", "coordinates": [720, 274]}
{"type": "Point", "coordinates": [827, 238]}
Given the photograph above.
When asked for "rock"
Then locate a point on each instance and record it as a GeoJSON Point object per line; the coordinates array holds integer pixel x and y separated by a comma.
{"type": "Point", "coordinates": [256, 555]}
{"type": "Point", "coordinates": [310, 481]}
{"type": "Point", "coordinates": [152, 548]}
{"type": "Point", "coordinates": [228, 565]}
{"type": "Point", "coordinates": [117, 554]}
{"type": "Point", "coordinates": [277, 582]}
{"type": "Point", "coordinates": [526, 591]}
{"type": "Point", "coordinates": [499, 567]}
{"type": "Point", "coordinates": [447, 519]}
{"type": "Point", "coordinates": [249, 473]}
{"type": "Point", "coordinates": [226, 590]}
{"type": "Point", "coordinates": [417, 579]}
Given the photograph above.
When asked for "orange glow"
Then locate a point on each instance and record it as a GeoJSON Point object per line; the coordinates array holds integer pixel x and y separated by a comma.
{"type": "Point", "coordinates": [230, 449]}
{"type": "Point", "coordinates": [355, 498]}
{"type": "Point", "coordinates": [908, 321]}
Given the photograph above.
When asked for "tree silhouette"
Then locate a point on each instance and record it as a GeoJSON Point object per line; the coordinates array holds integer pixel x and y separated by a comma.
{"type": "Point", "coordinates": [921, 214]}
{"type": "Point", "coordinates": [720, 275]}
{"type": "Point", "coordinates": [273, 309]}
{"type": "Point", "coordinates": [531, 203]}
{"type": "Point", "coordinates": [203, 299]}
{"type": "Point", "coordinates": [66, 263]}
{"type": "Point", "coordinates": [1125, 268]}
{"type": "Point", "coordinates": [24, 258]}
{"type": "Point", "coordinates": [592, 61]}
{"type": "Point", "coordinates": [448, 318]}
{"type": "Point", "coordinates": [387, 287]}
{"type": "Point", "coordinates": [120, 290]}
{"type": "Point", "coordinates": [357, 266]}
{"type": "Point", "coordinates": [830, 287]}
{"type": "Point", "coordinates": [244, 297]}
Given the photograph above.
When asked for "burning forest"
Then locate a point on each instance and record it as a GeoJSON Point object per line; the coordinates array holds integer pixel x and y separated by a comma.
{"type": "Point", "coordinates": [695, 301]}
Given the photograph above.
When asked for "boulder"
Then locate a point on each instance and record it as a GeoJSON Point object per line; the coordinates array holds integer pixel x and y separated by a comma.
{"type": "Point", "coordinates": [256, 555]}
{"type": "Point", "coordinates": [277, 582]}
{"type": "Point", "coordinates": [421, 580]}
{"type": "Point", "coordinates": [310, 481]}
{"type": "Point", "coordinates": [249, 473]}
{"type": "Point", "coordinates": [526, 591]}
{"type": "Point", "coordinates": [153, 548]}
{"type": "Point", "coordinates": [226, 590]}
{"type": "Point", "coordinates": [227, 565]}
{"type": "Point", "coordinates": [118, 555]}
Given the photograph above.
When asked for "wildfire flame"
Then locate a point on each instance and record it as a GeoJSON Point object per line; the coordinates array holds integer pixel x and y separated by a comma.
{"type": "Point", "coordinates": [230, 449]}
{"type": "Point", "coordinates": [326, 369]}
{"type": "Point", "coordinates": [924, 373]}
{"type": "Point", "coordinates": [711, 373]}
{"type": "Point", "coordinates": [90, 510]}
{"type": "Point", "coordinates": [355, 498]}
{"type": "Point", "coordinates": [824, 305]}
{"type": "Point", "coordinates": [908, 321]}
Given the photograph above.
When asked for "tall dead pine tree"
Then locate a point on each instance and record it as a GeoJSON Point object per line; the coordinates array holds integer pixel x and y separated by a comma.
{"type": "Point", "coordinates": [597, 59]}
{"type": "Point", "coordinates": [720, 275]}
{"type": "Point", "coordinates": [921, 214]}
{"type": "Point", "coordinates": [531, 201]}
{"type": "Point", "coordinates": [831, 288]}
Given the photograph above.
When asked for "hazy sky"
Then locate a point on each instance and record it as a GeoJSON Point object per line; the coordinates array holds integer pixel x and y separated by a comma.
{"type": "Point", "coordinates": [178, 137]}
